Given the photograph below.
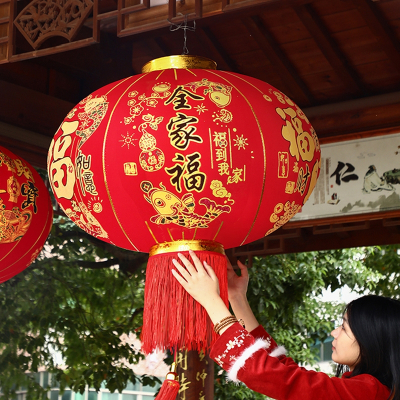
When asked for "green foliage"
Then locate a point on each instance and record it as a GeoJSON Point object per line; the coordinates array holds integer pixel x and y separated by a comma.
{"type": "Point", "coordinates": [385, 261]}
{"type": "Point", "coordinates": [85, 294]}
{"type": "Point", "coordinates": [56, 305]}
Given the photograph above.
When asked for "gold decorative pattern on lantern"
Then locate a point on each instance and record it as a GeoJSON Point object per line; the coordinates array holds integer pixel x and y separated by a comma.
{"type": "Point", "coordinates": [180, 211]}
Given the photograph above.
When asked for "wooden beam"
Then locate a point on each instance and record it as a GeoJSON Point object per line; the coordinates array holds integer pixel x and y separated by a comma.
{"type": "Point", "coordinates": [374, 113]}
{"type": "Point", "coordinates": [228, 61]}
{"type": "Point", "coordinates": [160, 47]}
{"type": "Point", "coordinates": [31, 110]}
{"type": "Point", "coordinates": [330, 49]}
{"type": "Point", "coordinates": [379, 26]}
{"type": "Point", "coordinates": [52, 50]}
{"type": "Point", "coordinates": [382, 229]}
{"type": "Point", "coordinates": [36, 156]}
{"type": "Point", "coordinates": [207, 43]}
{"type": "Point", "coordinates": [24, 136]}
{"type": "Point", "coordinates": [278, 59]}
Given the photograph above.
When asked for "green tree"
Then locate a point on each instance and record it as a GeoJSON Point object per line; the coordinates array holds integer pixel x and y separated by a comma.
{"type": "Point", "coordinates": [385, 261]}
{"type": "Point", "coordinates": [81, 297]}
{"type": "Point", "coordinates": [78, 301]}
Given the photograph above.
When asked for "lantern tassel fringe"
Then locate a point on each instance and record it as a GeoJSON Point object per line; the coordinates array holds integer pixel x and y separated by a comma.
{"type": "Point", "coordinates": [172, 318]}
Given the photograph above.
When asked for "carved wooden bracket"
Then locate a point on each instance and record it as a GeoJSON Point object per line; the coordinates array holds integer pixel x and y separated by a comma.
{"type": "Point", "coordinates": [43, 19]}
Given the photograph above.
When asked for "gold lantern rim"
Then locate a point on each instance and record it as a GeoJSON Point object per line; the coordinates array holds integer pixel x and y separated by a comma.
{"type": "Point", "coordinates": [179, 62]}
{"type": "Point", "coordinates": [185, 245]}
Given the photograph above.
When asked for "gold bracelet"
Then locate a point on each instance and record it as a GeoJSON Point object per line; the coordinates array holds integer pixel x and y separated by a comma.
{"type": "Point", "coordinates": [225, 319]}
{"type": "Point", "coordinates": [224, 322]}
{"type": "Point", "coordinates": [241, 322]}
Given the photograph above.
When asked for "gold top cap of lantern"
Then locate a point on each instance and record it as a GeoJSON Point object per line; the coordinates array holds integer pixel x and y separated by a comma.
{"type": "Point", "coordinates": [179, 62]}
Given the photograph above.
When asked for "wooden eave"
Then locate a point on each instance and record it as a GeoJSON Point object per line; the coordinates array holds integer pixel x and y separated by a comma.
{"type": "Point", "coordinates": [338, 60]}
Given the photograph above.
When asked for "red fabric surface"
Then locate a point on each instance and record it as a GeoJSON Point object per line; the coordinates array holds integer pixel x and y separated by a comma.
{"type": "Point", "coordinates": [183, 153]}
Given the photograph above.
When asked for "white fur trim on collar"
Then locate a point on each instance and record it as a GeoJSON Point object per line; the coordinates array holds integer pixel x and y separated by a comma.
{"type": "Point", "coordinates": [241, 360]}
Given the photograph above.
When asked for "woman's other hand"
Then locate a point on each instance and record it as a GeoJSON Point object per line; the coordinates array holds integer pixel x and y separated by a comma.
{"type": "Point", "coordinates": [237, 285]}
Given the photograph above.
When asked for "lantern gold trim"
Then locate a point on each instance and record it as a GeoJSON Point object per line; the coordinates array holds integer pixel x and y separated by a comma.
{"type": "Point", "coordinates": [179, 62]}
{"type": "Point", "coordinates": [185, 245]}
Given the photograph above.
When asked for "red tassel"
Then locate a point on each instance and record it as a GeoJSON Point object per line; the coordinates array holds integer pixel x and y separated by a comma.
{"type": "Point", "coordinates": [169, 390]}
{"type": "Point", "coordinates": [170, 387]}
{"type": "Point", "coordinates": [172, 319]}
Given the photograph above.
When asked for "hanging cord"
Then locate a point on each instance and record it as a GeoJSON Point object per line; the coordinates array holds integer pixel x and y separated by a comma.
{"type": "Point", "coordinates": [183, 25]}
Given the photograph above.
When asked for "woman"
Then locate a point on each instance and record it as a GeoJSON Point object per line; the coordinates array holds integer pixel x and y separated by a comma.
{"type": "Point", "coordinates": [368, 343]}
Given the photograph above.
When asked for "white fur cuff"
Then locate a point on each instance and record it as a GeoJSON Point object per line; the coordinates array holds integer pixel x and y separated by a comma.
{"type": "Point", "coordinates": [247, 353]}
{"type": "Point", "coordinates": [278, 351]}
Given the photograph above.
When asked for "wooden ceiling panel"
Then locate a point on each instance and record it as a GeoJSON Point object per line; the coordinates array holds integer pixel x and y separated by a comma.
{"type": "Point", "coordinates": [234, 38]}
{"type": "Point", "coordinates": [297, 90]}
{"type": "Point", "coordinates": [307, 57]}
{"type": "Point", "coordinates": [326, 85]}
{"type": "Point", "coordinates": [380, 29]}
{"type": "Point", "coordinates": [355, 42]}
{"type": "Point", "coordinates": [330, 7]}
{"type": "Point", "coordinates": [144, 51]}
{"type": "Point", "coordinates": [63, 86]}
{"type": "Point", "coordinates": [364, 53]}
{"type": "Point", "coordinates": [211, 48]}
{"type": "Point", "coordinates": [382, 76]}
{"type": "Point", "coordinates": [391, 10]}
{"type": "Point", "coordinates": [257, 65]}
{"type": "Point", "coordinates": [27, 74]}
{"type": "Point", "coordinates": [281, 18]}
{"type": "Point", "coordinates": [330, 49]}
{"type": "Point", "coordinates": [31, 110]}
{"type": "Point", "coordinates": [291, 32]}
{"type": "Point", "coordinates": [343, 21]}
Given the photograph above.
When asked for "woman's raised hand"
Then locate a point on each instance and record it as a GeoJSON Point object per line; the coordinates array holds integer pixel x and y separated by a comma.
{"type": "Point", "coordinates": [197, 279]}
{"type": "Point", "coordinates": [237, 285]}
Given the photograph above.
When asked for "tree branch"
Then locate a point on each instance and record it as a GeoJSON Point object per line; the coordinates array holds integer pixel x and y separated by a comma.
{"type": "Point", "coordinates": [129, 261]}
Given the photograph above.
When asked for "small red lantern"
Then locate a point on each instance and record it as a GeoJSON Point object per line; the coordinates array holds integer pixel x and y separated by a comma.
{"type": "Point", "coordinates": [26, 214]}
{"type": "Point", "coordinates": [180, 157]}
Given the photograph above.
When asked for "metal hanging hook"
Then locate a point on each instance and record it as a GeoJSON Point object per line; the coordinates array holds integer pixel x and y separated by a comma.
{"type": "Point", "coordinates": [183, 25]}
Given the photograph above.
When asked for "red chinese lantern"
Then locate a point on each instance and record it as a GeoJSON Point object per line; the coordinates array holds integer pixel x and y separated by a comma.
{"type": "Point", "coordinates": [183, 156]}
{"type": "Point", "coordinates": [26, 214]}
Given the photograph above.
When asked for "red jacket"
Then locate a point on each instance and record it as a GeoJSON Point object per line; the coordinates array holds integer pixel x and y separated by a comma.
{"type": "Point", "coordinates": [256, 360]}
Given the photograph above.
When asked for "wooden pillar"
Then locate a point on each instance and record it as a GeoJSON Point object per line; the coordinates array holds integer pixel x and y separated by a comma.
{"type": "Point", "coordinates": [196, 376]}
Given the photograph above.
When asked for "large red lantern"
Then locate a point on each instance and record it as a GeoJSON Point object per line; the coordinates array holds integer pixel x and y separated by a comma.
{"type": "Point", "coordinates": [183, 156]}
{"type": "Point", "coordinates": [26, 214]}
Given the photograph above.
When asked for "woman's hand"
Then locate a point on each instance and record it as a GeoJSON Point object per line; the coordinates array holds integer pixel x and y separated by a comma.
{"type": "Point", "coordinates": [237, 289]}
{"type": "Point", "coordinates": [198, 280]}
{"type": "Point", "coordinates": [237, 285]}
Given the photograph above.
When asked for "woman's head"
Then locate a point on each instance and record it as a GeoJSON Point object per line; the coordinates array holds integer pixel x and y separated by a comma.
{"type": "Point", "coordinates": [374, 322]}
{"type": "Point", "coordinates": [345, 348]}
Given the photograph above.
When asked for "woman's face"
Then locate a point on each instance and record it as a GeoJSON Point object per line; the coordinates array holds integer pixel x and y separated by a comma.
{"type": "Point", "coordinates": [345, 349]}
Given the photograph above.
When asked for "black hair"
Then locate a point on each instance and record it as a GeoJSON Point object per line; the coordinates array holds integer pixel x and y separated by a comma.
{"type": "Point", "coordinates": [375, 323]}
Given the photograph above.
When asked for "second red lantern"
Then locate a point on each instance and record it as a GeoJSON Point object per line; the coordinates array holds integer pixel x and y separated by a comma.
{"type": "Point", "coordinates": [26, 214]}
